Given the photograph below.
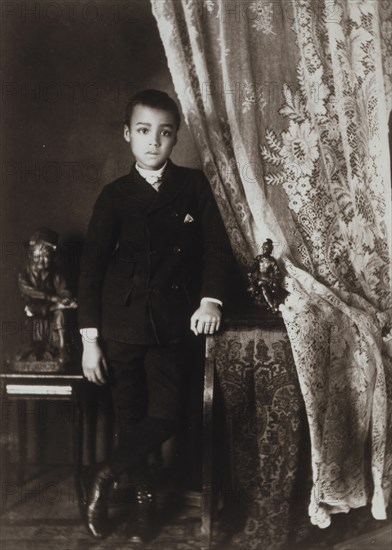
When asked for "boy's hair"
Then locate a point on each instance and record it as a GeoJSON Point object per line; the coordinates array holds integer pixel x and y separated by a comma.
{"type": "Point", "coordinates": [154, 99]}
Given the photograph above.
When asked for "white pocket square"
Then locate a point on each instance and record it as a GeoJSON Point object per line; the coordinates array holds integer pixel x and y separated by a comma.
{"type": "Point", "coordinates": [188, 219]}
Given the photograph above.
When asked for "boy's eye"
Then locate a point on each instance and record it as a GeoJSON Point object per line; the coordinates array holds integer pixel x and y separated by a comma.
{"type": "Point", "coordinates": [166, 133]}
{"type": "Point", "coordinates": [142, 130]}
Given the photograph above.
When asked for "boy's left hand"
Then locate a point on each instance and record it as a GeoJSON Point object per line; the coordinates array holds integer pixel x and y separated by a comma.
{"type": "Point", "coordinates": [206, 319]}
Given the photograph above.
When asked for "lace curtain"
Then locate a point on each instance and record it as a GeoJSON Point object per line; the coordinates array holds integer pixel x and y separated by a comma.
{"type": "Point", "coordinates": [288, 104]}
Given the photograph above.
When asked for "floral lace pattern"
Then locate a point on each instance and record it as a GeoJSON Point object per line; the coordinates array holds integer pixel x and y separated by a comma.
{"type": "Point", "coordinates": [343, 170]}
{"type": "Point", "coordinates": [262, 19]}
{"type": "Point", "coordinates": [292, 129]}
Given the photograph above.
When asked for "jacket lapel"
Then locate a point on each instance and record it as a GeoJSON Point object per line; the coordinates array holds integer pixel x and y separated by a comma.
{"type": "Point", "coordinates": [135, 187]}
{"type": "Point", "coordinates": [170, 187]}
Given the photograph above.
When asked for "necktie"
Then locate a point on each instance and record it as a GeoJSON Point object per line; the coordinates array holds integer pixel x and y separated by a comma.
{"type": "Point", "coordinates": [155, 181]}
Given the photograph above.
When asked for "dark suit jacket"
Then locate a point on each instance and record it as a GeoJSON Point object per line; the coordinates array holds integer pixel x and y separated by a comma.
{"type": "Point", "coordinates": [150, 256]}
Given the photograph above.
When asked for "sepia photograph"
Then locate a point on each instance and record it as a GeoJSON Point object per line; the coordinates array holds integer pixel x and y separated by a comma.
{"type": "Point", "coordinates": [196, 298]}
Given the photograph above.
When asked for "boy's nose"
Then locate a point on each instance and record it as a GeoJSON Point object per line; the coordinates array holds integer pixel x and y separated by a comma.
{"type": "Point", "coordinates": [155, 141]}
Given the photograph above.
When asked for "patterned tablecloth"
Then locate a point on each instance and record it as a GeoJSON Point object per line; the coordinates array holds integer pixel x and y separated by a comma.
{"type": "Point", "coordinates": [266, 429]}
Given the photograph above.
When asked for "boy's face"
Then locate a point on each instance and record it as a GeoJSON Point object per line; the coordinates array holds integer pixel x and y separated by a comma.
{"type": "Point", "coordinates": [152, 134]}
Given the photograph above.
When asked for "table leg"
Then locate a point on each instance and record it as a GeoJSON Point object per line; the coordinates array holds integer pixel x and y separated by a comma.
{"type": "Point", "coordinates": [22, 439]}
{"type": "Point", "coordinates": [208, 398]}
{"type": "Point", "coordinates": [5, 430]}
{"type": "Point", "coordinates": [78, 439]}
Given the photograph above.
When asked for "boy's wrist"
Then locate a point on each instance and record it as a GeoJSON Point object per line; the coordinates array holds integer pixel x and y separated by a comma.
{"type": "Point", "coordinates": [213, 300]}
{"type": "Point", "coordinates": [89, 335]}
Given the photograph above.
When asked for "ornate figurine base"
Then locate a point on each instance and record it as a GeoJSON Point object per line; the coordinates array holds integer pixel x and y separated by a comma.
{"type": "Point", "coordinates": [38, 366]}
{"type": "Point", "coordinates": [265, 308]}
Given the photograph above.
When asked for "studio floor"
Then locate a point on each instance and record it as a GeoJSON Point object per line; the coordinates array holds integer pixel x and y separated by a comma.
{"type": "Point", "coordinates": [43, 514]}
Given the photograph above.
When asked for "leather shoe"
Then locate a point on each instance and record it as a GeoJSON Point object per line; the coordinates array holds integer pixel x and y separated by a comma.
{"type": "Point", "coordinates": [145, 511]}
{"type": "Point", "coordinates": [97, 502]}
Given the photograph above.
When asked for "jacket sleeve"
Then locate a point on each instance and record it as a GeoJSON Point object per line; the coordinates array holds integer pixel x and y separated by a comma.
{"type": "Point", "coordinates": [100, 243]}
{"type": "Point", "coordinates": [217, 258]}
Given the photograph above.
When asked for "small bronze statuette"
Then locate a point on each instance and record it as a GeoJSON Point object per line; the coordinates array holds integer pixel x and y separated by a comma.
{"type": "Point", "coordinates": [45, 295]}
{"type": "Point", "coordinates": [265, 280]}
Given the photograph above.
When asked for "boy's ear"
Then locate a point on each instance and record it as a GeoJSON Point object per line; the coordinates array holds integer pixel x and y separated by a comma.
{"type": "Point", "coordinates": [126, 133]}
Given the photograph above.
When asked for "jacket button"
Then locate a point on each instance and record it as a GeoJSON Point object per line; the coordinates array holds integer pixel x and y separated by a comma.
{"type": "Point", "coordinates": [175, 214]}
{"type": "Point", "coordinates": [175, 287]}
{"type": "Point", "coordinates": [176, 250]}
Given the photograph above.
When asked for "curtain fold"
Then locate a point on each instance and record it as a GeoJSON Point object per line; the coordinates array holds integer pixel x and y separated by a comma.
{"type": "Point", "coordinates": [288, 104]}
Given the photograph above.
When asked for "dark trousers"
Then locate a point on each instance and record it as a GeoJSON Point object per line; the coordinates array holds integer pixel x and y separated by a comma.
{"type": "Point", "coordinates": [147, 385]}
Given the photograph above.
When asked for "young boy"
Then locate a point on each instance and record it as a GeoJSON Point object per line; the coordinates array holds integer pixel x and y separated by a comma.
{"type": "Point", "coordinates": [156, 252]}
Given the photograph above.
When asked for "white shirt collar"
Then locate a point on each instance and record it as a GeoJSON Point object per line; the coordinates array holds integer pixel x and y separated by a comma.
{"type": "Point", "coordinates": [147, 173]}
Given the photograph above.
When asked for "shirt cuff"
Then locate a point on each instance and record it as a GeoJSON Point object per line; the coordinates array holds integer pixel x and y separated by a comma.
{"type": "Point", "coordinates": [89, 334]}
{"type": "Point", "coordinates": [213, 300]}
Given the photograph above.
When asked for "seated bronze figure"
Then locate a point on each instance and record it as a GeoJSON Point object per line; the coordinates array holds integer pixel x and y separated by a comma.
{"type": "Point", "coordinates": [46, 297]}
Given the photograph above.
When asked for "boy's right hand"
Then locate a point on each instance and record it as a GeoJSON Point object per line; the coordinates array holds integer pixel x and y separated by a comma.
{"type": "Point", "coordinates": [94, 364]}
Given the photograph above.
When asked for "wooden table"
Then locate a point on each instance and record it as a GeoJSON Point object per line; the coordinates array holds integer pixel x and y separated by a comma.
{"type": "Point", "coordinates": [250, 361]}
{"type": "Point", "coordinates": [24, 387]}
